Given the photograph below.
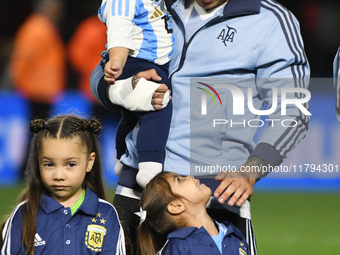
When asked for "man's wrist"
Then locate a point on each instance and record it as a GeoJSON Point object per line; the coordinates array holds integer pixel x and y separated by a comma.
{"type": "Point", "coordinates": [254, 164]}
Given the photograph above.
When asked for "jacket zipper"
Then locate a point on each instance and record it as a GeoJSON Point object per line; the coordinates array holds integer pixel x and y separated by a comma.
{"type": "Point", "coordinates": [186, 44]}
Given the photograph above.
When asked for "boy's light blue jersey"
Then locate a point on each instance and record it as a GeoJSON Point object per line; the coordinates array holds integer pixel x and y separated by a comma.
{"type": "Point", "coordinates": [93, 229]}
{"type": "Point", "coordinates": [142, 26]}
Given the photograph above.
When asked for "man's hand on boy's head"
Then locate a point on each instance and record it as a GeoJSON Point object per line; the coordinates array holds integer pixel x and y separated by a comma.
{"type": "Point", "coordinates": [158, 95]}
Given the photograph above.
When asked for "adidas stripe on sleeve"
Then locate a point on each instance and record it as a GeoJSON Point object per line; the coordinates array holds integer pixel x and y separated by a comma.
{"type": "Point", "coordinates": [119, 234]}
{"type": "Point", "coordinates": [11, 235]}
{"type": "Point", "coordinates": [286, 30]}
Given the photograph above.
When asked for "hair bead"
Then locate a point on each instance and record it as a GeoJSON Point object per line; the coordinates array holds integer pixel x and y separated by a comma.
{"type": "Point", "coordinates": [37, 125]}
{"type": "Point", "coordinates": [94, 126]}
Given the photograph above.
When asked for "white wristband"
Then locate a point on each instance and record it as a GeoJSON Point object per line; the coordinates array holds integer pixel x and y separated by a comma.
{"type": "Point", "coordinates": [138, 99]}
{"type": "Point", "coordinates": [119, 91]}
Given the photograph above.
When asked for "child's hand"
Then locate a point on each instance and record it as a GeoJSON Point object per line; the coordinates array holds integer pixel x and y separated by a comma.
{"type": "Point", "coordinates": [112, 70]}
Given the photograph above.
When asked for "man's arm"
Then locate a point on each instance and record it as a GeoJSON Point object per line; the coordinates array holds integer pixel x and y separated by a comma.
{"type": "Point", "coordinates": [282, 58]}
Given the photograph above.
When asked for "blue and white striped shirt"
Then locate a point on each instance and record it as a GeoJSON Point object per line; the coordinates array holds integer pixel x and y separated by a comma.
{"type": "Point", "coordinates": [142, 26]}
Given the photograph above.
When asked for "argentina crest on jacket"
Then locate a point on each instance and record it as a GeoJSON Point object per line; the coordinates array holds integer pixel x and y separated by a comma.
{"type": "Point", "coordinates": [227, 35]}
{"type": "Point", "coordinates": [95, 234]}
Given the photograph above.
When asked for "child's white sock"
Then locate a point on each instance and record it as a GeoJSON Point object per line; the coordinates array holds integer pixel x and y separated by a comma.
{"type": "Point", "coordinates": [118, 167]}
{"type": "Point", "coordinates": [147, 170]}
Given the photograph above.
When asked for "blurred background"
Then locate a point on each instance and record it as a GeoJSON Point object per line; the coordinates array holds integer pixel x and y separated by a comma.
{"type": "Point", "coordinates": [48, 49]}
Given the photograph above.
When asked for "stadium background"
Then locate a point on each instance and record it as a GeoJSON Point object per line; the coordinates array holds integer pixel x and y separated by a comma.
{"type": "Point", "coordinates": [291, 215]}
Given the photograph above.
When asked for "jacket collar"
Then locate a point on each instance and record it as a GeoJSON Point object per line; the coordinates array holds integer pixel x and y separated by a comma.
{"type": "Point", "coordinates": [242, 7]}
{"type": "Point", "coordinates": [89, 205]}
{"type": "Point", "coordinates": [236, 7]}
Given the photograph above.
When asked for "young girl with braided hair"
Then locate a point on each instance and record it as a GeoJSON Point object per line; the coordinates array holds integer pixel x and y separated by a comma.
{"type": "Point", "coordinates": [63, 209]}
{"type": "Point", "coordinates": [174, 220]}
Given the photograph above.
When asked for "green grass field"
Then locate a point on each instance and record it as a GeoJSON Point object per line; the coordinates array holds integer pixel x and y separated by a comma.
{"type": "Point", "coordinates": [285, 223]}
{"type": "Point", "coordinates": [296, 223]}
{"type": "Point", "coordinates": [8, 198]}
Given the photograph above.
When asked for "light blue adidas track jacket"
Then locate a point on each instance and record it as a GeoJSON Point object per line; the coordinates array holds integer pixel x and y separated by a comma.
{"type": "Point", "coordinates": [248, 39]}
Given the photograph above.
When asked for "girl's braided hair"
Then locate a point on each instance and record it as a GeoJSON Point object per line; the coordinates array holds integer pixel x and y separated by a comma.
{"type": "Point", "coordinates": [92, 126]}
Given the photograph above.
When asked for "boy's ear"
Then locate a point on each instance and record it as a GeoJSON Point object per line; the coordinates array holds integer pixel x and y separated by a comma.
{"type": "Point", "coordinates": [90, 163]}
{"type": "Point", "coordinates": [176, 207]}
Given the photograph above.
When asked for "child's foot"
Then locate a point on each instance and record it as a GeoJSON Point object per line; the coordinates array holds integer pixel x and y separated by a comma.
{"type": "Point", "coordinates": [147, 170]}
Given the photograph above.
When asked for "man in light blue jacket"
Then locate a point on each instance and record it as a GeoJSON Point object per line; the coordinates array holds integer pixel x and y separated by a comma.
{"type": "Point", "coordinates": [256, 47]}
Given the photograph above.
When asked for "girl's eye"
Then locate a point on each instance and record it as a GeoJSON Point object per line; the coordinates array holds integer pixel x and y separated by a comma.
{"type": "Point", "coordinates": [179, 179]}
{"type": "Point", "coordinates": [49, 164]}
{"type": "Point", "coordinates": [71, 164]}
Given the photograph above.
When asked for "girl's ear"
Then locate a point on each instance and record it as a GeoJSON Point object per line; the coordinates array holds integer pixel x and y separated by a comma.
{"type": "Point", "coordinates": [175, 207]}
{"type": "Point", "coordinates": [90, 163]}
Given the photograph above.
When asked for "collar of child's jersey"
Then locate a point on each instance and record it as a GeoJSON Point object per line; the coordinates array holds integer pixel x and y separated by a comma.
{"type": "Point", "coordinates": [236, 7]}
{"type": "Point", "coordinates": [232, 229]}
{"type": "Point", "coordinates": [184, 232]}
{"type": "Point", "coordinates": [89, 205]}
